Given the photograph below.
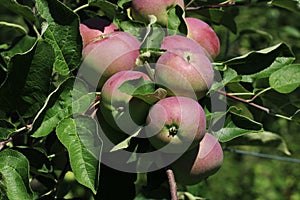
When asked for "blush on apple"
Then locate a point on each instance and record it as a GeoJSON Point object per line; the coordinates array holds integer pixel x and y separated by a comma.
{"type": "Point", "coordinates": [202, 33]}
{"type": "Point", "coordinates": [104, 57]}
{"type": "Point", "coordinates": [175, 124]}
{"type": "Point", "coordinates": [184, 72]}
{"type": "Point", "coordinates": [181, 42]}
{"type": "Point", "coordinates": [199, 163]}
{"type": "Point", "coordinates": [93, 28]}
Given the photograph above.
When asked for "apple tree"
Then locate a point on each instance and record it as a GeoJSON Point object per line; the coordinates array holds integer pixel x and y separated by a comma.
{"type": "Point", "coordinates": [137, 99]}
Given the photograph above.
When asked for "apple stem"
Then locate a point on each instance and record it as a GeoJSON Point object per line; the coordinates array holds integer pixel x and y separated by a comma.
{"type": "Point", "coordinates": [173, 130]}
{"type": "Point", "coordinates": [172, 183]}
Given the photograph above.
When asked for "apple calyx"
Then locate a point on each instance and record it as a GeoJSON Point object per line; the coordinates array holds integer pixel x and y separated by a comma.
{"type": "Point", "coordinates": [173, 130]}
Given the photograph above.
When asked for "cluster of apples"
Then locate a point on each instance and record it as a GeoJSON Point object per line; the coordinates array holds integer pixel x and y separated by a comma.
{"type": "Point", "coordinates": [175, 123]}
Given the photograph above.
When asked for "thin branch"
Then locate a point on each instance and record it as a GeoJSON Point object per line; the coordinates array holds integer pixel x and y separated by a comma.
{"type": "Point", "coordinates": [227, 3]}
{"type": "Point", "coordinates": [262, 155]}
{"type": "Point", "coordinates": [172, 183]}
{"type": "Point", "coordinates": [262, 108]}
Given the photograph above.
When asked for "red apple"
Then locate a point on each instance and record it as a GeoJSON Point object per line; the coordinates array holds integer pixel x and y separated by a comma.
{"type": "Point", "coordinates": [121, 110]}
{"type": "Point", "coordinates": [184, 72]}
{"type": "Point", "coordinates": [175, 124]}
{"type": "Point", "coordinates": [104, 57]}
{"type": "Point", "coordinates": [141, 9]}
{"type": "Point", "coordinates": [202, 33]}
{"type": "Point", "coordinates": [181, 42]}
{"type": "Point", "coordinates": [93, 28]}
{"type": "Point", "coordinates": [200, 162]}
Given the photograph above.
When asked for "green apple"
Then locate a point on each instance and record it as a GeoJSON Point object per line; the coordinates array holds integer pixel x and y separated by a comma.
{"type": "Point", "coordinates": [175, 124]}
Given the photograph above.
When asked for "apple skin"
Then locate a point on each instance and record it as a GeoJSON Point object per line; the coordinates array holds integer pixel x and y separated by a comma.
{"type": "Point", "coordinates": [104, 57]}
{"type": "Point", "coordinates": [181, 42]}
{"type": "Point", "coordinates": [141, 9]}
{"type": "Point", "coordinates": [93, 28]}
{"type": "Point", "coordinates": [199, 163]}
{"type": "Point", "coordinates": [122, 111]}
{"type": "Point", "coordinates": [202, 33]}
{"type": "Point", "coordinates": [184, 72]}
{"type": "Point", "coordinates": [175, 124]}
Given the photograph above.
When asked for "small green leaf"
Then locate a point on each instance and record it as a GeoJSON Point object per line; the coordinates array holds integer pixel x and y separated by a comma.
{"type": "Point", "coordinates": [19, 9]}
{"type": "Point", "coordinates": [287, 79]}
{"type": "Point", "coordinates": [143, 89]}
{"type": "Point", "coordinates": [125, 143]}
{"type": "Point", "coordinates": [14, 176]}
{"type": "Point", "coordinates": [231, 131]}
{"type": "Point", "coordinates": [6, 129]}
{"type": "Point", "coordinates": [22, 46]}
{"type": "Point", "coordinates": [80, 137]}
{"type": "Point", "coordinates": [229, 76]}
{"type": "Point", "coordinates": [264, 139]}
{"type": "Point", "coordinates": [62, 32]}
{"type": "Point", "coordinates": [110, 9]}
{"type": "Point", "coordinates": [241, 116]}
{"type": "Point", "coordinates": [176, 24]}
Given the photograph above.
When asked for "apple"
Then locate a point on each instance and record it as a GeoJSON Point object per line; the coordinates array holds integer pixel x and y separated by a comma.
{"type": "Point", "coordinates": [105, 56]}
{"type": "Point", "coordinates": [202, 33]}
{"type": "Point", "coordinates": [141, 9]}
{"type": "Point", "coordinates": [181, 42]}
{"type": "Point", "coordinates": [175, 124]}
{"type": "Point", "coordinates": [199, 163]}
{"type": "Point", "coordinates": [93, 28]}
{"type": "Point", "coordinates": [122, 111]}
{"type": "Point", "coordinates": [184, 72]}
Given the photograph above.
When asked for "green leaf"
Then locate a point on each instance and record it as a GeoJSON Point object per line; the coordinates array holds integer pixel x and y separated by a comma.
{"type": "Point", "coordinates": [256, 61]}
{"type": "Point", "coordinates": [6, 130]}
{"type": "Point", "coordinates": [125, 143]}
{"type": "Point", "coordinates": [80, 137]}
{"type": "Point", "coordinates": [229, 76]}
{"type": "Point", "coordinates": [69, 98]}
{"type": "Point", "coordinates": [231, 131]}
{"type": "Point", "coordinates": [291, 5]}
{"type": "Point", "coordinates": [21, 46]}
{"type": "Point", "coordinates": [176, 23]}
{"type": "Point", "coordinates": [241, 116]}
{"type": "Point", "coordinates": [19, 9]}
{"type": "Point", "coordinates": [108, 8]}
{"type": "Point", "coordinates": [153, 39]}
{"type": "Point", "coordinates": [264, 139]}
{"type": "Point", "coordinates": [279, 63]}
{"type": "Point", "coordinates": [62, 32]}
{"type": "Point", "coordinates": [14, 176]}
{"type": "Point", "coordinates": [143, 89]}
{"type": "Point", "coordinates": [28, 79]}
{"type": "Point", "coordinates": [287, 79]}
{"type": "Point", "coordinates": [37, 85]}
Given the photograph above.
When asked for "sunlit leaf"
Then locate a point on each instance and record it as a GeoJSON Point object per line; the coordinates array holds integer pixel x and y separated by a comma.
{"type": "Point", "coordinates": [80, 137]}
